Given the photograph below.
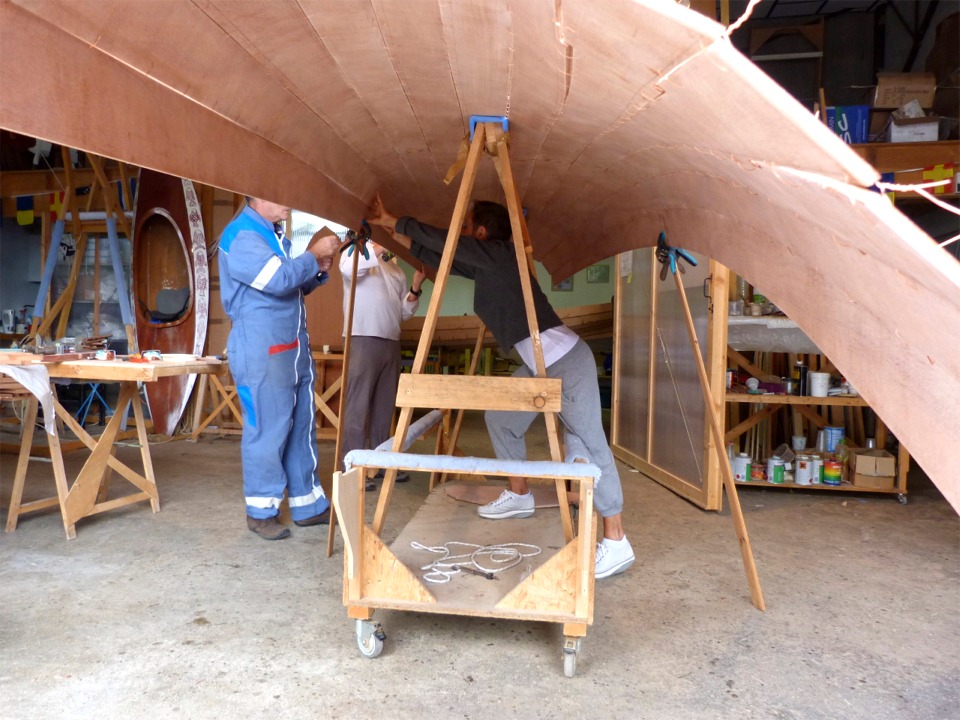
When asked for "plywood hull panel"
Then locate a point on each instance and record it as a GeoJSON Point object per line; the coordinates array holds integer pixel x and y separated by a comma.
{"type": "Point", "coordinates": [627, 117]}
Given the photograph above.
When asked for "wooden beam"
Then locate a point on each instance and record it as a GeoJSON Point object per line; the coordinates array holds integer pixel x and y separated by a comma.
{"type": "Point", "coordinates": [40, 182]}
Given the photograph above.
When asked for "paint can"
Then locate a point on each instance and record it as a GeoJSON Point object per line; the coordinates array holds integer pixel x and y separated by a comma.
{"type": "Point", "coordinates": [804, 472]}
{"type": "Point", "coordinates": [832, 472]}
{"type": "Point", "coordinates": [775, 471]}
{"type": "Point", "coordinates": [819, 383]}
{"type": "Point", "coordinates": [833, 435]}
{"type": "Point", "coordinates": [741, 467]}
{"type": "Point", "coordinates": [756, 472]}
{"type": "Point", "coordinates": [816, 470]}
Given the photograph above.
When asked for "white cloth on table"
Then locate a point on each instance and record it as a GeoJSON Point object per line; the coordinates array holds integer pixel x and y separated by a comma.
{"type": "Point", "coordinates": [36, 379]}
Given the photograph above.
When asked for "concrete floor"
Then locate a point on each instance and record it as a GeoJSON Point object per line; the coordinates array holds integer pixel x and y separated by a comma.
{"type": "Point", "coordinates": [187, 614]}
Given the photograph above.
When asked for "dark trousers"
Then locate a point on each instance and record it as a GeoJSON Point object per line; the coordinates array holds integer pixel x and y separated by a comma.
{"type": "Point", "coordinates": [371, 392]}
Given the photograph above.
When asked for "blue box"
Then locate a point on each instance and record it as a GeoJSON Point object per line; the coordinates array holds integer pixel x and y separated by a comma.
{"type": "Point", "coordinates": [850, 122]}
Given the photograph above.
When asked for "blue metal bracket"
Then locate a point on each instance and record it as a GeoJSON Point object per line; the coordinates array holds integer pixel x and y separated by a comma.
{"type": "Point", "coordinates": [474, 119]}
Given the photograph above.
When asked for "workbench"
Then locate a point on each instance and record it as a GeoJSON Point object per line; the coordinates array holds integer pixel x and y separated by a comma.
{"type": "Point", "coordinates": [87, 494]}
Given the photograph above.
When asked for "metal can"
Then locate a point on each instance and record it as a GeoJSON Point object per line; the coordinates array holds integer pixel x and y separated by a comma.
{"type": "Point", "coordinates": [775, 471]}
{"type": "Point", "coordinates": [741, 467]}
{"type": "Point", "coordinates": [816, 470]}
{"type": "Point", "coordinates": [832, 472]}
{"type": "Point", "coordinates": [804, 474]}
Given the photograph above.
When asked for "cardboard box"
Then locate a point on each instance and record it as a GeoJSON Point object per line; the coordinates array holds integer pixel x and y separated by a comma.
{"type": "Point", "coordinates": [925, 129]}
{"type": "Point", "coordinates": [874, 482]}
{"type": "Point", "coordinates": [897, 89]}
{"type": "Point", "coordinates": [850, 122]}
{"type": "Point", "coordinates": [873, 462]}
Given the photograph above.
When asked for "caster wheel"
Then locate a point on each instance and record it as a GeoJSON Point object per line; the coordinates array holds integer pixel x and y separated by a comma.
{"type": "Point", "coordinates": [571, 648]}
{"type": "Point", "coordinates": [902, 498]}
{"type": "Point", "coordinates": [370, 637]}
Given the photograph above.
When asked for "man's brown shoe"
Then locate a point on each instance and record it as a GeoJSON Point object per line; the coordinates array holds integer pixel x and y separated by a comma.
{"type": "Point", "coordinates": [321, 519]}
{"type": "Point", "coordinates": [268, 529]}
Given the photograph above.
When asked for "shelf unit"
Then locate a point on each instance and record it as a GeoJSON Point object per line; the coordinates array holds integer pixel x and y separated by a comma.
{"type": "Point", "coordinates": [767, 405]}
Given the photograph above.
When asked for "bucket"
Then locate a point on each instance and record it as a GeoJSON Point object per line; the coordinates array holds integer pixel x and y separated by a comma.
{"type": "Point", "coordinates": [804, 472]}
{"type": "Point", "coordinates": [833, 436]}
{"type": "Point", "coordinates": [832, 470]}
{"type": "Point", "coordinates": [741, 468]}
{"type": "Point", "coordinates": [819, 383]}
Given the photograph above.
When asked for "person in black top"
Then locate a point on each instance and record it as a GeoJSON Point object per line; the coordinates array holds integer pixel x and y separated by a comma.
{"type": "Point", "coordinates": [485, 253]}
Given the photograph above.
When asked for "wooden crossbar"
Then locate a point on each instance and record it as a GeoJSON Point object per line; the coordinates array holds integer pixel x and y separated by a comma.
{"type": "Point", "coordinates": [479, 393]}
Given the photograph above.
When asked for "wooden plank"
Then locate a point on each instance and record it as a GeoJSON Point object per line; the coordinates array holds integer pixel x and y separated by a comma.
{"type": "Point", "coordinates": [740, 361]}
{"type": "Point", "coordinates": [777, 399]}
{"type": "Point", "coordinates": [717, 374]}
{"type": "Point", "coordinates": [552, 587]}
{"type": "Point", "coordinates": [29, 425]}
{"type": "Point", "coordinates": [348, 504]}
{"type": "Point", "coordinates": [383, 576]}
{"type": "Point", "coordinates": [740, 527]}
{"type": "Point", "coordinates": [120, 370]}
{"type": "Point", "coordinates": [479, 393]}
{"type": "Point", "coordinates": [40, 182]}
{"type": "Point", "coordinates": [753, 420]}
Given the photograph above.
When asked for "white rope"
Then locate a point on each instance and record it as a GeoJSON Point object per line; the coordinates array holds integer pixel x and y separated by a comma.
{"type": "Point", "coordinates": [497, 558]}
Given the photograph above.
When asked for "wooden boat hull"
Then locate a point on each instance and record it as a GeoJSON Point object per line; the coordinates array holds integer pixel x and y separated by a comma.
{"type": "Point", "coordinates": [626, 118]}
{"type": "Point", "coordinates": [170, 286]}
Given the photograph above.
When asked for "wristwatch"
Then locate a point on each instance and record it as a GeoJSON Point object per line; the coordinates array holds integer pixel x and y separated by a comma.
{"type": "Point", "coordinates": [416, 293]}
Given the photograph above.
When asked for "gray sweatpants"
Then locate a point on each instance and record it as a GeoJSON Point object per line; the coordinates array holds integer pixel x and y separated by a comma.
{"type": "Point", "coordinates": [580, 416]}
{"type": "Point", "coordinates": [371, 393]}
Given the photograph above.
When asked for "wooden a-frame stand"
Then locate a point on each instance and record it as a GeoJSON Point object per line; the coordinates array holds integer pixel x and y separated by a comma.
{"type": "Point", "coordinates": [552, 588]}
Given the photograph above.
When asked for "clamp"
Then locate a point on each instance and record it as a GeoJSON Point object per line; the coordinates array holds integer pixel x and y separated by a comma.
{"type": "Point", "coordinates": [670, 256]}
{"type": "Point", "coordinates": [358, 238]}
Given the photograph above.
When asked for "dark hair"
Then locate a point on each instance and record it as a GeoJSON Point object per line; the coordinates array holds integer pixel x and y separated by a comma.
{"type": "Point", "coordinates": [494, 217]}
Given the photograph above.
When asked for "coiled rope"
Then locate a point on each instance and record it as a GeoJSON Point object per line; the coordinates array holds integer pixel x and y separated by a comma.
{"type": "Point", "coordinates": [495, 558]}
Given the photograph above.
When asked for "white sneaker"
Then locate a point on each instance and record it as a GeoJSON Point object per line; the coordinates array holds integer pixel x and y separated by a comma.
{"type": "Point", "coordinates": [508, 505]}
{"type": "Point", "coordinates": [613, 556]}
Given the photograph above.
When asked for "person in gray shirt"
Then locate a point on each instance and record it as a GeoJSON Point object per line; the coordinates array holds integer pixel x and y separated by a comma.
{"type": "Point", "coordinates": [485, 253]}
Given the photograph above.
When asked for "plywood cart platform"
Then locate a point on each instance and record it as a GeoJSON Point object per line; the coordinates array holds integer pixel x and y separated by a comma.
{"type": "Point", "coordinates": [554, 585]}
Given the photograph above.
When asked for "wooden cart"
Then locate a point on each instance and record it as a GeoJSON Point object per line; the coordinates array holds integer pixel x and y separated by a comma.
{"type": "Point", "coordinates": [553, 586]}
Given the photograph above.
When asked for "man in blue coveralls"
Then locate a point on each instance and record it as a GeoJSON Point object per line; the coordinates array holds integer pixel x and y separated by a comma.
{"type": "Point", "coordinates": [262, 290]}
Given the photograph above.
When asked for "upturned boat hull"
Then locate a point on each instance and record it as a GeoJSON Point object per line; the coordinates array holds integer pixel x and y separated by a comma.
{"type": "Point", "coordinates": [170, 286]}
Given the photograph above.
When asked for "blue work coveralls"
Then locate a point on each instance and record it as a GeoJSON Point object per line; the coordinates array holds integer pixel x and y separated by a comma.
{"type": "Point", "coordinates": [262, 290]}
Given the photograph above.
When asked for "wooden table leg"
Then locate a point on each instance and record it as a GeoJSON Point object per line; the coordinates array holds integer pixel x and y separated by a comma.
{"type": "Point", "coordinates": [145, 448]}
{"type": "Point", "coordinates": [26, 443]}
